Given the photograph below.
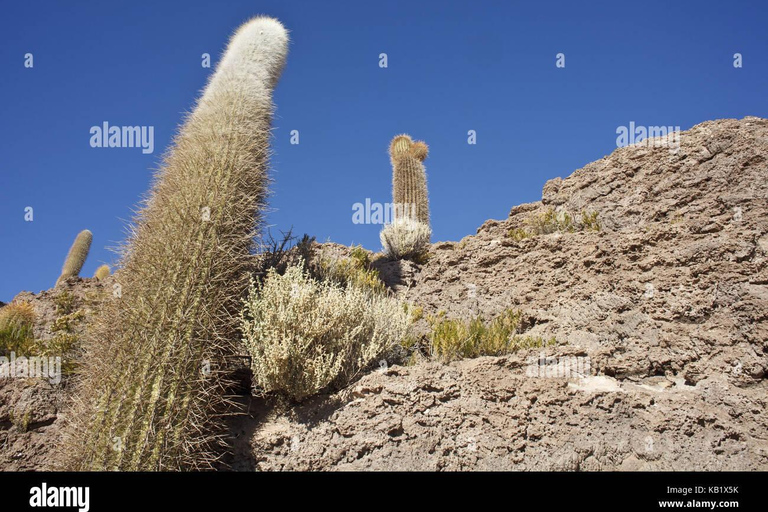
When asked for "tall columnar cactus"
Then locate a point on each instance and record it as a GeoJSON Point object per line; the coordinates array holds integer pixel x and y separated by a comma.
{"type": "Point", "coordinates": [409, 179]}
{"type": "Point", "coordinates": [409, 234]}
{"type": "Point", "coordinates": [76, 256]}
{"type": "Point", "coordinates": [153, 386]}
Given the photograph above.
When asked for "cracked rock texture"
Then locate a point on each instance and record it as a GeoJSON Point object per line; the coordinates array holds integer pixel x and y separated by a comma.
{"type": "Point", "coordinates": [668, 302]}
{"type": "Point", "coordinates": [486, 414]}
{"type": "Point", "coordinates": [31, 409]}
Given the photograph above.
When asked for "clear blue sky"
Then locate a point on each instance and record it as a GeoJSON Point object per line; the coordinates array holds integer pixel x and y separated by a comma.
{"type": "Point", "coordinates": [452, 67]}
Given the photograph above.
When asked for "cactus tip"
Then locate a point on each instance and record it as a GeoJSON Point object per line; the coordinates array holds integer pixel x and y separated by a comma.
{"type": "Point", "coordinates": [400, 145]}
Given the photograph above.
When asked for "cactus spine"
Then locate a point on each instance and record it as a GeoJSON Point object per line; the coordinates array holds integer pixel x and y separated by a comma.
{"type": "Point", "coordinates": [102, 272]}
{"type": "Point", "coordinates": [76, 256]}
{"type": "Point", "coordinates": [409, 234]}
{"type": "Point", "coordinates": [153, 387]}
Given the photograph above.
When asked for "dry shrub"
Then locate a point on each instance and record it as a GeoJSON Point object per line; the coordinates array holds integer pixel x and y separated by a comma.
{"type": "Point", "coordinates": [306, 335]}
{"type": "Point", "coordinates": [555, 221]}
{"type": "Point", "coordinates": [353, 270]}
{"type": "Point", "coordinates": [452, 339]}
{"type": "Point", "coordinates": [405, 239]}
{"type": "Point", "coordinates": [16, 328]}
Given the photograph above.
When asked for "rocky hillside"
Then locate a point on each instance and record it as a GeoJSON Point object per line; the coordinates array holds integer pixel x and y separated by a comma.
{"type": "Point", "coordinates": [667, 300]}
{"type": "Point", "coordinates": [31, 409]}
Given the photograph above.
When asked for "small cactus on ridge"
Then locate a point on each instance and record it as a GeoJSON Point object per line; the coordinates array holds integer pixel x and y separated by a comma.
{"type": "Point", "coordinates": [76, 256]}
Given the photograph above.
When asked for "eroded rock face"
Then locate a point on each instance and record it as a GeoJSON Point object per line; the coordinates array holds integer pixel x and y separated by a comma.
{"type": "Point", "coordinates": [32, 409]}
{"type": "Point", "coordinates": [675, 283]}
{"type": "Point", "coordinates": [486, 414]}
{"type": "Point", "coordinates": [669, 301]}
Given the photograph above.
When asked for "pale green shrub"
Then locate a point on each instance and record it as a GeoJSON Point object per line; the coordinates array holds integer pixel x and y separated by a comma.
{"type": "Point", "coordinates": [452, 339]}
{"type": "Point", "coordinates": [590, 221]}
{"type": "Point", "coordinates": [555, 221]}
{"type": "Point", "coordinates": [551, 221]}
{"type": "Point", "coordinates": [352, 270]}
{"type": "Point", "coordinates": [305, 335]}
{"type": "Point", "coordinates": [406, 239]}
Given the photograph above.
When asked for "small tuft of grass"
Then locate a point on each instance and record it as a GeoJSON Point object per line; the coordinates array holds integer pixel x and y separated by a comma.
{"type": "Point", "coordinates": [17, 321]}
{"type": "Point", "coordinates": [518, 234]}
{"type": "Point", "coordinates": [589, 221]}
{"type": "Point", "coordinates": [64, 340]}
{"type": "Point", "coordinates": [65, 303]}
{"type": "Point", "coordinates": [553, 221]}
{"type": "Point", "coordinates": [676, 218]}
{"type": "Point", "coordinates": [360, 256]}
{"type": "Point", "coordinates": [67, 322]}
{"type": "Point", "coordinates": [452, 339]}
{"type": "Point", "coordinates": [17, 332]}
{"type": "Point", "coordinates": [21, 422]}
{"type": "Point", "coordinates": [354, 270]}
